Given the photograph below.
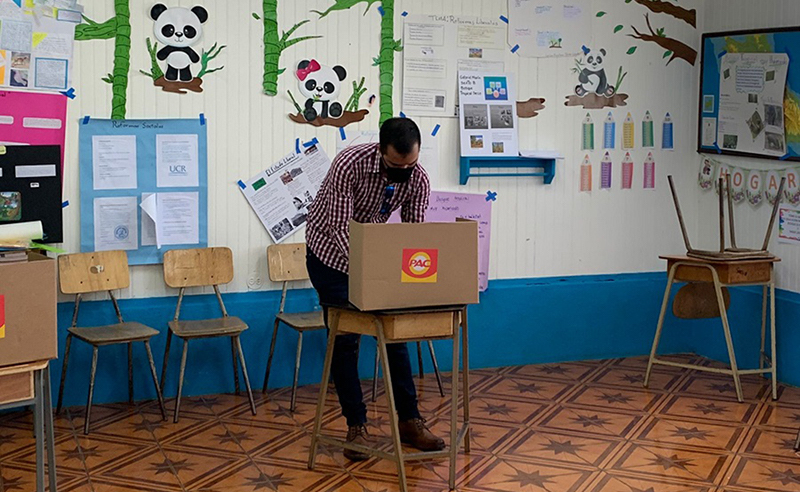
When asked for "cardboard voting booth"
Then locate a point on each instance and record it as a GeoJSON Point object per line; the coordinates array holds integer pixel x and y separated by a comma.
{"type": "Point", "coordinates": [394, 266]}
{"type": "Point", "coordinates": [28, 311]}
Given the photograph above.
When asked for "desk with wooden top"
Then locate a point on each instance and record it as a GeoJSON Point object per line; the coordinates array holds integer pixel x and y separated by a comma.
{"type": "Point", "coordinates": [724, 273]}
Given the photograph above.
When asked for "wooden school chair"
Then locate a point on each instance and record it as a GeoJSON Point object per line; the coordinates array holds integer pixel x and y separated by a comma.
{"type": "Point", "coordinates": [85, 273]}
{"type": "Point", "coordinates": [287, 263]}
{"type": "Point", "coordinates": [203, 267]}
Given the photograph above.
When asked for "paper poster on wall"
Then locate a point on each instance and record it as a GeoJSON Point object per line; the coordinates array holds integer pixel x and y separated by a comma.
{"type": "Point", "coordinates": [789, 225]}
{"type": "Point", "coordinates": [605, 172]}
{"type": "Point", "coordinates": [543, 28]}
{"type": "Point", "coordinates": [280, 196]}
{"type": "Point", "coordinates": [488, 116]}
{"type": "Point", "coordinates": [436, 48]}
{"type": "Point", "coordinates": [627, 172]}
{"type": "Point", "coordinates": [35, 50]}
{"type": "Point", "coordinates": [751, 103]}
{"type": "Point", "coordinates": [447, 207]}
{"type": "Point", "coordinates": [146, 185]}
{"type": "Point", "coordinates": [609, 132]}
{"type": "Point", "coordinates": [32, 118]}
{"type": "Point", "coordinates": [428, 152]}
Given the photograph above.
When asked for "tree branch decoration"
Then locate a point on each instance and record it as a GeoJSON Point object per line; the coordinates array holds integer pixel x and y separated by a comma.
{"type": "Point", "coordinates": [274, 45]}
{"type": "Point", "coordinates": [117, 28]}
{"type": "Point", "coordinates": [663, 7]}
{"type": "Point", "coordinates": [675, 48]}
{"type": "Point", "coordinates": [530, 108]}
{"type": "Point", "coordinates": [389, 46]}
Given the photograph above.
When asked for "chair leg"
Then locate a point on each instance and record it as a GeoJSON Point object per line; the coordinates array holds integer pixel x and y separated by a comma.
{"type": "Point", "coordinates": [39, 426]}
{"type": "Point", "coordinates": [419, 361]}
{"type": "Point", "coordinates": [236, 388]}
{"type": "Point", "coordinates": [63, 374]}
{"type": "Point", "coordinates": [436, 368]}
{"type": "Point", "coordinates": [166, 359]}
{"type": "Point", "coordinates": [130, 373]}
{"type": "Point", "coordinates": [155, 379]}
{"type": "Point", "coordinates": [91, 391]}
{"type": "Point", "coordinates": [271, 354]}
{"type": "Point", "coordinates": [465, 376]}
{"type": "Point", "coordinates": [660, 325]}
{"type": "Point", "coordinates": [238, 345]}
{"type": "Point", "coordinates": [296, 370]}
{"type": "Point", "coordinates": [180, 381]}
{"type": "Point", "coordinates": [375, 377]}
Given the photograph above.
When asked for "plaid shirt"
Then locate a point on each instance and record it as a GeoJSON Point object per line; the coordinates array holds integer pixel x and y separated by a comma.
{"type": "Point", "coordinates": [355, 189]}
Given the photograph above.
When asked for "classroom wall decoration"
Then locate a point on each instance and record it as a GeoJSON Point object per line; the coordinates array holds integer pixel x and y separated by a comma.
{"type": "Point", "coordinates": [117, 28]}
{"type": "Point", "coordinates": [179, 30]}
{"type": "Point", "coordinates": [389, 45]}
{"type": "Point", "coordinates": [755, 185]}
{"type": "Point", "coordinates": [560, 28]}
{"type": "Point", "coordinates": [749, 103]}
{"type": "Point", "coordinates": [274, 45]}
{"type": "Point", "coordinates": [144, 186]}
{"type": "Point", "coordinates": [530, 108]}
{"type": "Point", "coordinates": [320, 87]}
{"type": "Point", "coordinates": [595, 90]}
{"type": "Point", "coordinates": [31, 118]}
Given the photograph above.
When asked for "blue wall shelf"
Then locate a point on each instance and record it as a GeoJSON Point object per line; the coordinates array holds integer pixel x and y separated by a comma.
{"type": "Point", "coordinates": [470, 164]}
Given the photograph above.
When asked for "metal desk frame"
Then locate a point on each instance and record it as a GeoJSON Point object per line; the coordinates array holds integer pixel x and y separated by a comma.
{"type": "Point", "coordinates": [398, 456]}
{"type": "Point", "coordinates": [674, 276]}
{"type": "Point", "coordinates": [42, 421]}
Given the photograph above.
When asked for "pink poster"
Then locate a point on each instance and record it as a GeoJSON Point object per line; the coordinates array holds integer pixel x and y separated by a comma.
{"type": "Point", "coordinates": [447, 207]}
{"type": "Point", "coordinates": [33, 119]}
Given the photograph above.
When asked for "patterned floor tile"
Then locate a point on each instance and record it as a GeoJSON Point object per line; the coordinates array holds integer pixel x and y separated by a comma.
{"type": "Point", "coordinates": [633, 379]}
{"type": "Point", "coordinates": [770, 443]}
{"type": "Point", "coordinates": [614, 398]}
{"type": "Point", "coordinates": [766, 475]}
{"type": "Point", "coordinates": [591, 422]}
{"type": "Point", "coordinates": [508, 475]}
{"type": "Point", "coordinates": [561, 448]}
{"type": "Point", "coordinates": [689, 465]}
{"type": "Point", "coordinates": [608, 482]}
{"type": "Point", "coordinates": [700, 435]}
{"type": "Point", "coordinates": [707, 408]}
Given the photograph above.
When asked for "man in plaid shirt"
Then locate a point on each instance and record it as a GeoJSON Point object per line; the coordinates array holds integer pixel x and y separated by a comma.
{"type": "Point", "coordinates": [367, 183]}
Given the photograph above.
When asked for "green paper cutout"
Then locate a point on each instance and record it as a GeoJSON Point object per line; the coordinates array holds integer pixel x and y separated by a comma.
{"type": "Point", "coordinates": [274, 46]}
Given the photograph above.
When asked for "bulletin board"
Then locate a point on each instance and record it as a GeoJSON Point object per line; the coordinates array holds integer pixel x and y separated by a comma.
{"type": "Point", "coordinates": [715, 47]}
{"type": "Point", "coordinates": [143, 182]}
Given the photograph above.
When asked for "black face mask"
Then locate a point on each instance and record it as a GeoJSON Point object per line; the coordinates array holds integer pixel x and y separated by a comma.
{"type": "Point", "coordinates": [399, 174]}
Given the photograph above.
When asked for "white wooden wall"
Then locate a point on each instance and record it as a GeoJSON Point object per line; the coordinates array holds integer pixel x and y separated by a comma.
{"type": "Point", "coordinates": [727, 15]}
{"type": "Point", "coordinates": [537, 230]}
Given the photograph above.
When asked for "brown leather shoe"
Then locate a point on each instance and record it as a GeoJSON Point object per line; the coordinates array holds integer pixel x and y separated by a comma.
{"type": "Point", "coordinates": [417, 434]}
{"type": "Point", "coordinates": [356, 434]}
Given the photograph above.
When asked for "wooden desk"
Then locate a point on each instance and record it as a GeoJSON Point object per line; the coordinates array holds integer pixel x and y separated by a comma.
{"type": "Point", "coordinates": [724, 273]}
{"type": "Point", "coordinates": [29, 384]}
{"type": "Point", "coordinates": [402, 325]}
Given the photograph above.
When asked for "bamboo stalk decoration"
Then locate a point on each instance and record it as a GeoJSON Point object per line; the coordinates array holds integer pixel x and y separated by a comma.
{"type": "Point", "coordinates": [274, 46]}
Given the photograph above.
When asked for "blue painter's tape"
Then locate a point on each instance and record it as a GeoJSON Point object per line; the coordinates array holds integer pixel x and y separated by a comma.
{"type": "Point", "coordinates": [311, 142]}
{"type": "Point", "coordinates": [69, 93]}
{"type": "Point", "coordinates": [491, 196]}
{"type": "Point", "coordinates": [65, 204]}
{"type": "Point", "coordinates": [86, 120]}
{"type": "Point", "coordinates": [436, 129]}
{"type": "Point", "coordinates": [18, 2]}
{"type": "Point", "coordinates": [381, 11]}
{"type": "Point", "coordinates": [297, 145]}
{"type": "Point", "coordinates": [402, 114]}
{"type": "Point", "coordinates": [342, 133]}
{"type": "Point", "coordinates": [722, 53]}
{"type": "Point", "coordinates": [202, 119]}
{"type": "Point", "coordinates": [504, 19]}
{"type": "Point", "coordinates": [784, 157]}
{"type": "Point", "coordinates": [242, 185]}
{"type": "Point", "coordinates": [716, 147]}
{"type": "Point", "coordinates": [515, 48]}
{"type": "Point", "coordinates": [404, 13]}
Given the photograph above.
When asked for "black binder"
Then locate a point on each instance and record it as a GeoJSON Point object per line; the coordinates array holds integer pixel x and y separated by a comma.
{"type": "Point", "coordinates": [30, 187]}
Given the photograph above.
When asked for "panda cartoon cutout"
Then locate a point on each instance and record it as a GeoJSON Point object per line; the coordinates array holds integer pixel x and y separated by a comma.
{"type": "Point", "coordinates": [592, 78]}
{"type": "Point", "coordinates": [320, 85]}
{"type": "Point", "coordinates": [178, 29]}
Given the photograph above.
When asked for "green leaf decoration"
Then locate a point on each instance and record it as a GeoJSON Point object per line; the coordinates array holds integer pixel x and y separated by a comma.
{"type": "Point", "coordinates": [601, 14]}
{"type": "Point", "coordinates": [618, 28]}
{"type": "Point", "coordinates": [256, 16]}
{"type": "Point", "coordinates": [631, 50]}
{"type": "Point", "coordinates": [668, 53]}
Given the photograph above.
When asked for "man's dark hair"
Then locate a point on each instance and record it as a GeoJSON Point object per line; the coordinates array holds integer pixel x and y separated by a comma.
{"type": "Point", "coordinates": [400, 133]}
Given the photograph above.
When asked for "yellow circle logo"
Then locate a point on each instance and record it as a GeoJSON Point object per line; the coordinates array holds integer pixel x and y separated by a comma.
{"type": "Point", "coordinates": [419, 264]}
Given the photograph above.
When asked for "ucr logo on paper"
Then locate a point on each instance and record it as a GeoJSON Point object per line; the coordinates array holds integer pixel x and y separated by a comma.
{"type": "Point", "coordinates": [420, 265]}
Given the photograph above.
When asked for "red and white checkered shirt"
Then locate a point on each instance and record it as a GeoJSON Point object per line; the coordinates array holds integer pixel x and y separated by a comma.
{"type": "Point", "coordinates": [355, 189]}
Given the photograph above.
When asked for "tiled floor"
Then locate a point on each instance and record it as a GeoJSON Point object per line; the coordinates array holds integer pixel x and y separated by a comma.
{"type": "Point", "coordinates": [559, 428]}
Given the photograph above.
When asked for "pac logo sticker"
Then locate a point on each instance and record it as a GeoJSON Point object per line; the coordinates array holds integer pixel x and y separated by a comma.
{"type": "Point", "coordinates": [420, 265]}
{"type": "Point", "coordinates": [2, 317]}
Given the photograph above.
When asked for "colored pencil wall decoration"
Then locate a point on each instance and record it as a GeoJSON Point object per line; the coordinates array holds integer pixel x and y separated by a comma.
{"type": "Point", "coordinates": [648, 137]}
{"type": "Point", "coordinates": [628, 133]}
{"type": "Point", "coordinates": [609, 132]}
{"type": "Point", "coordinates": [605, 172]}
{"type": "Point", "coordinates": [588, 133]}
{"type": "Point", "coordinates": [627, 172]}
{"type": "Point", "coordinates": [586, 174]}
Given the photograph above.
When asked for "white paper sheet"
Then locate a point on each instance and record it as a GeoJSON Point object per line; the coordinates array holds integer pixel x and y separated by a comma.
{"type": "Point", "coordinates": [16, 36]}
{"type": "Point", "coordinates": [488, 115]}
{"type": "Point", "coordinates": [428, 154]}
{"type": "Point", "coordinates": [176, 161]}
{"type": "Point", "coordinates": [149, 215]}
{"type": "Point", "coordinates": [178, 218]}
{"type": "Point", "coordinates": [115, 223]}
{"type": "Point", "coordinates": [114, 162]}
{"type": "Point", "coordinates": [789, 225]}
{"type": "Point", "coordinates": [546, 28]}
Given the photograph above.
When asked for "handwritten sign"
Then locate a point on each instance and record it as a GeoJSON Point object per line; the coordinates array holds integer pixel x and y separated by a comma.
{"type": "Point", "coordinates": [447, 207]}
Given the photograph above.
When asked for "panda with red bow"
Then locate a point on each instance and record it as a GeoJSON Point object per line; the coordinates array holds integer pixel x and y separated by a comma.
{"type": "Point", "coordinates": [320, 85]}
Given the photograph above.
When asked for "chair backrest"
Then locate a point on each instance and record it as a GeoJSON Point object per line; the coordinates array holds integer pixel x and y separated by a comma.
{"type": "Point", "coordinates": [82, 273]}
{"type": "Point", "coordinates": [198, 267]}
{"type": "Point", "coordinates": [287, 262]}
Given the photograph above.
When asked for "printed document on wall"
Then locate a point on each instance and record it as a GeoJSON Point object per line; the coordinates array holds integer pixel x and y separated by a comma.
{"type": "Point", "coordinates": [435, 48]}
{"type": "Point", "coordinates": [488, 117]}
{"type": "Point", "coordinates": [751, 95]}
{"type": "Point", "coordinates": [544, 28]}
{"type": "Point", "coordinates": [281, 195]}
{"type": "Point", "coordinates": [114, 162]}
{"type": "Point", "coordinates": [115, 223]}
{"type": "Point", "coordinates": [176, 160]}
